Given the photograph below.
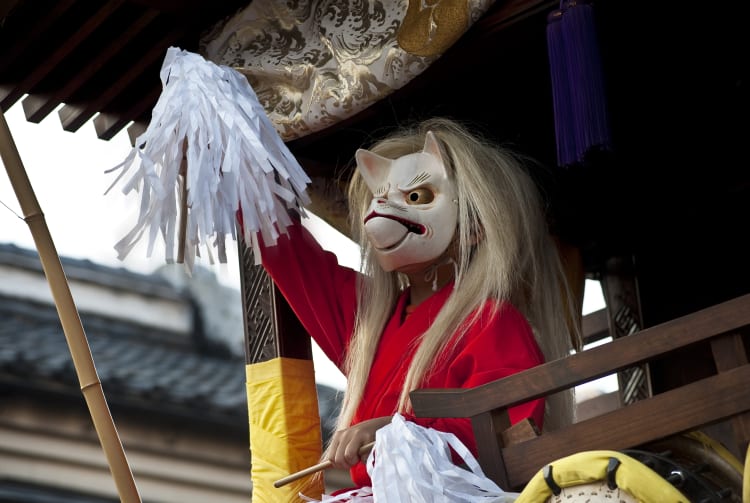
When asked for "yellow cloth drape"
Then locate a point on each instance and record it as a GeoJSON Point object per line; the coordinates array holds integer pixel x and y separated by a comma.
{"type": "Point", "coordinates": [746, 478]}
{"type": "Point", "coordinates": [285, 435]}
{"type": "Point", "coordinates": [632, 476]}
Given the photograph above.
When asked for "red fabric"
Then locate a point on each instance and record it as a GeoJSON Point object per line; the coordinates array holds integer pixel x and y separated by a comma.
{"type": "Point", "coordinates": [322, 294]}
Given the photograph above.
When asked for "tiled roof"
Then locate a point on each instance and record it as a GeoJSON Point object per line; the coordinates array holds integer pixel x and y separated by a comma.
{"type": "Point", "coordinates": [139, 368]}
{"type": "Point", "coordinates": [88, 271]}
{"type": "Point", "coordinates": [134, 370]}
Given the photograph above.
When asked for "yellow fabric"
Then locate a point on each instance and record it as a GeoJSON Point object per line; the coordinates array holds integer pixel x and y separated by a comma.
{"type": "Point", "coordinates": [285, 432]}
{"type": "Point", "coordinates": [632, 476]}
{"type": "Point", "coordinates": [717, 447]}
{"type": "Point", "coordinates": [746, 478]}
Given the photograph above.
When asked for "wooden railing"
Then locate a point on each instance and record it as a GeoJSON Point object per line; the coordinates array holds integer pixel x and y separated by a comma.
{"type": "Point", "coordinates": [724, 329]}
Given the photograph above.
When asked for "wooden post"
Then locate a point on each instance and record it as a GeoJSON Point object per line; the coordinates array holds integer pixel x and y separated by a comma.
{"type": "Point", "coordinates": [274, 335]}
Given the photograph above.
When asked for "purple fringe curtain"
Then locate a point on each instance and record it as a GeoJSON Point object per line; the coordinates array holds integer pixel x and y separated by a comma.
{"type": "Point", "coordinates": [580, 108]}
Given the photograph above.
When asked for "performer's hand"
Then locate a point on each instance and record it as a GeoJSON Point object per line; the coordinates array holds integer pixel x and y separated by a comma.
{"type": "Point", "coordinates": [345, 444]}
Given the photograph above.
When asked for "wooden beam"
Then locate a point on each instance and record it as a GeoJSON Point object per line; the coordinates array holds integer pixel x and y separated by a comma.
{"type": "Point", "coordinates": [586, 366]}
{"type": "Point", "coordinates": [6, 7]}
{"type": "Point", "coordinates": [43, 68]}
{"type": "Point", "coordinates": [271, 328]}
{"type": "Point", "coordinates": [135, 130]}
{"type": "Point", "coordinates": [73, 117]}
{"type": "Point", "coordinates": [107, 125]}
{"type": "Point", "coordinates": [722, 395]}
{"type": "Point", "coordinates": [730, 352]}
{"type": "Point", "coordinates": [510, 12]}
{"type": "Point", "coordinates": [292, 340]}
{"type": "Point", "coordinates": [595, 326]}
{"type": "Point", "coordinates": [24, 41]}
{"type": "Point", "coordinates": [176, 6]}
{"type": "Point", "coordinates": [38, 107]}
{"type": "Point", "coordinates": [488, 425]}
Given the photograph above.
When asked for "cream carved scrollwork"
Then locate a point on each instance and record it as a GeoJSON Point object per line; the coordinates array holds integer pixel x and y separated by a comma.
{"type": "Point", "coordinates": [313, 63]}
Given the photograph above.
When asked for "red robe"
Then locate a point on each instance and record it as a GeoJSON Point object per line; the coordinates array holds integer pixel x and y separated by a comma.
{"type": "Point", "coordinates": [322, 294]}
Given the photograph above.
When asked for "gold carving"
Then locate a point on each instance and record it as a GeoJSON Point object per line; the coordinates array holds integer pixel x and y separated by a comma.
{"type": "Point", "coordinates": [432, 26]}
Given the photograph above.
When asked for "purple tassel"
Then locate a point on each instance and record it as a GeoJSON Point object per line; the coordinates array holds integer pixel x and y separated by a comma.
{"type": "Point", "coordinates": [581, 117]}
{"type": "Point", "coordinates": [561, 102]}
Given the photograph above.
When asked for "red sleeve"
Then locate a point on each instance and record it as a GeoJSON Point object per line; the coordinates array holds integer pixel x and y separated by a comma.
{"type": "Point", "coordinates": [496, 347]}
{"type": "Point", "coordinates": [320, 291]}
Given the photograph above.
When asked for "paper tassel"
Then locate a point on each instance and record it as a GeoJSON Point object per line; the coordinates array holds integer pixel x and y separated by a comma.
{"type": "Point", "coordinates": [580, 108]}
{"type": "Point", "coordinates": [209, 115]}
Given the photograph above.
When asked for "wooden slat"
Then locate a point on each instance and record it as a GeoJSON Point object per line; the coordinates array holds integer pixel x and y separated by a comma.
{"type": "Point", "coordinates": [73, 117]}
{"type": "Point", "coordinates": [108, 125]}
{"type": "Point", "coordinates": [44, 20]}
{"type": "Point", "coordinates": [37, 108]}
{"type": "Point", "coordinates": [730, 352]}
{"type": "Point", "coordinates": [43, 68]}
{"type": "Point", "coordinates": [6, 7]}
{"type": "Point", "coordinates": [175, 6]}
{"type": "Point", "coordinates": [721, 395]}
{"type": "Point", "coordinates": [292, 340]}
{"type": "Point", "coordinates": [508, 12]}
{"type": "Point", "coordinates": [490, 453]}
{"type": "Point", "coordinates": [135, 130]}
{"type": "Point", "coordinates": [595, 326]}
{"type": "Point", "coordinates": [585, 366]}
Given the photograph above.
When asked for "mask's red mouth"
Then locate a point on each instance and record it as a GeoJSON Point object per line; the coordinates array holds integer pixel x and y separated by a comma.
{"type": "Point", "coordinates": [410, 226]}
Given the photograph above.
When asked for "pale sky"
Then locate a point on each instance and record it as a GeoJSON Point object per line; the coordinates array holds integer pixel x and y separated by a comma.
{"type": "Point", "coordinates": [67, 174]}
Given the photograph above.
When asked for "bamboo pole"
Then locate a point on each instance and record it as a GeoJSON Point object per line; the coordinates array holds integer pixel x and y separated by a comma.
{"type": "Point", "coordinates": [71, 322]}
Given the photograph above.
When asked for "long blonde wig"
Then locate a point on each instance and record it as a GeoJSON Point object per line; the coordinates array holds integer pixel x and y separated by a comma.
{"type": "Point", "coordinates": [505, 252]}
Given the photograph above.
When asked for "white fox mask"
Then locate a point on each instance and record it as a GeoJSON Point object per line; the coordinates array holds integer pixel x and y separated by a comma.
{"type": "Point", "coordinates": [412, 217]}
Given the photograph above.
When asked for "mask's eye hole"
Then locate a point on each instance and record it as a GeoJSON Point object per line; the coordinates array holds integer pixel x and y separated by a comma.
{"type": "Point", "coordinates": [420, 196]}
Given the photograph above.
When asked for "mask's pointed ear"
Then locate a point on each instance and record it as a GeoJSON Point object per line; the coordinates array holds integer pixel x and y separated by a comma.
{"type": "Point", "coordinates": [373, 168]}
{"type": "Point", "coordinates": [432, 147]}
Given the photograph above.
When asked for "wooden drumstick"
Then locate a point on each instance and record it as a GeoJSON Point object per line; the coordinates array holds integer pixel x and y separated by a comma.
{"type": "Point", "coordinates": [316, 468]}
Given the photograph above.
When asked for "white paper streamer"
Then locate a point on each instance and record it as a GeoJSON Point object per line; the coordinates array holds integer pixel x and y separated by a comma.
{"type": "Point", "coordinates": [413, 464]}
{"type": "Point", "coordinates": [360, 495]}
{"type": "Point", "coordinates": [235, 158]}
